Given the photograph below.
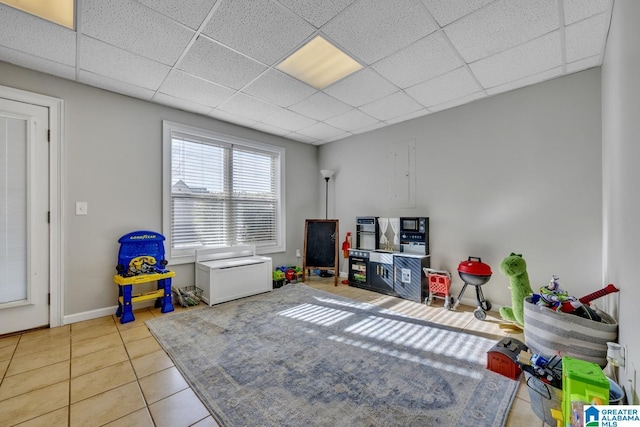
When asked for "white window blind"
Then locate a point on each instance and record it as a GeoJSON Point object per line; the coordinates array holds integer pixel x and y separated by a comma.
{"type": "Point", "coordinates": [223, 191]}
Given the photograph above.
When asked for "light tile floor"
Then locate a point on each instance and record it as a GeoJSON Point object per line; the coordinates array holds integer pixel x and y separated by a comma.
{"type": "Point", "coordinates": [100, 372]}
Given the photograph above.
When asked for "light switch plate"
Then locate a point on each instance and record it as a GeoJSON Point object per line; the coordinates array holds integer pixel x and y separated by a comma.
{"type": "Point", "coordinates": [81, 208]}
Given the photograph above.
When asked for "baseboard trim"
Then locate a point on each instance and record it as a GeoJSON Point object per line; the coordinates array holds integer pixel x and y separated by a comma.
{"type": "Point", "coordinates": [100, 312]}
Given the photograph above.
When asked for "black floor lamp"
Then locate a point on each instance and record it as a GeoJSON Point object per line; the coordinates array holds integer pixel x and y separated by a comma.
{"type": "Point", "coordinates": [327, 174]}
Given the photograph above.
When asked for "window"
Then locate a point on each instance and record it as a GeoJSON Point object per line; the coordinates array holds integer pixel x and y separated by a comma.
{"type": "Point", "coordinates": [220, 190]}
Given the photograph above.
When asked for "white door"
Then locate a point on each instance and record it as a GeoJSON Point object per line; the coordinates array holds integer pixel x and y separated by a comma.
{"type": "Point", "coordinates": [24, 206]}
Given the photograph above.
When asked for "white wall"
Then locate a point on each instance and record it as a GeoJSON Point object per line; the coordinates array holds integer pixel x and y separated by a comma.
{"type": "Point", "coordinates": [621, 153]}
{"type": "Point", "coordinates": [517, 172]}
{"type": "Point", "coordinates": [113, 153]}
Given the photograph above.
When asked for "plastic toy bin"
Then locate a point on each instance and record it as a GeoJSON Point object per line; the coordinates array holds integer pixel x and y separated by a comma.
{"type": "Point", "coordinates": [583, 383]}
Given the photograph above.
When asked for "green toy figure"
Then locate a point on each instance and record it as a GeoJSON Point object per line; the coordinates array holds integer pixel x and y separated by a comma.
{"type": "Point", "coordinates": [515, 268]}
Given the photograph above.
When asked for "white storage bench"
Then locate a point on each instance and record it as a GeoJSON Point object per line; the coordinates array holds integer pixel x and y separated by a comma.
{"type": "Point", "coordinates": [229, 273]}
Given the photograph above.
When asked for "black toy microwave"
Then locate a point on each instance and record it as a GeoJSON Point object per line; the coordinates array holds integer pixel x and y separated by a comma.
{"type": "Point", "coordinates": [413, 225]}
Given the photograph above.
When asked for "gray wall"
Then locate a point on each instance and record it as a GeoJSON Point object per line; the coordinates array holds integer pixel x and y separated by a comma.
{"type": "Point", "coordinates": [518, 172]}
{"type": "Point", "coordinates": [113, 153]}
{"type": "Point", "coordinates": [621, 151]}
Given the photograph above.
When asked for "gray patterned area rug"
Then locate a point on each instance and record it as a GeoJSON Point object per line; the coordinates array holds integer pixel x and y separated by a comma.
{"type": "Point", "coordinates": [298, 356]}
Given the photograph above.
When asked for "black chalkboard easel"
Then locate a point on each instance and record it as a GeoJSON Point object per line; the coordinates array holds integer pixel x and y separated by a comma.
{"type": "Point", "coordinates": [321, 246]}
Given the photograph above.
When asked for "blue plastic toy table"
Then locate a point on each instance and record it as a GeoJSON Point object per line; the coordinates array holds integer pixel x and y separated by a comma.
{"type": "Point", "coordinates": [141, 260]}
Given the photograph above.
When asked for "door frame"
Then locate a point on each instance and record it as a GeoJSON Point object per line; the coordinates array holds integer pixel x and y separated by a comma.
{"type": "Point", "coordinates": [56, 193]}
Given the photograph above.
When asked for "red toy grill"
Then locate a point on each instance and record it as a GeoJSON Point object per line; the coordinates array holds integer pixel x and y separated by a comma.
{"type": "Point", "coordinates": [476, 273]}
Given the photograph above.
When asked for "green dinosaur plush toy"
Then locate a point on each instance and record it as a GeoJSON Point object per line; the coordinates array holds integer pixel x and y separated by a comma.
{"type": "Point", "coordinates": [515, 268]}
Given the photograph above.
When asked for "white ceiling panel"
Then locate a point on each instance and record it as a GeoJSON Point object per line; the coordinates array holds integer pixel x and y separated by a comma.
{"type": "Point", "coordinates": [320, 131]}
{"type": "Point", "coordinates": [190, 13]}
{"type": "Point", "coordinates": [26, 33]}
{"type": "Point", "coordinates": [518, 62]}
{"type": "Point", "coordinates": [36, 63]}
{"type": "Point", "coordinates": [216, 63]}
{"type": "Point", "coordinates": [182, 85]}
{"type": "Point", "coordinates": [577, 10]}
{"type": "Point", "coordinates": [352, 120]}
{"type": "Point", "coordinates": [317, 12]}
{"type": "Point", "coordinates": [278, 88]}
{"type": "Point", "coordinates": [261, 29]}
{"type": "Point", "coordinates": [116, 86]}
{"type": "Point", "coordinates": [320, 106]}
{"type": "Point", "coordinates": [501, 25]}
{"type": "Point", "coordinates": [409, 116]}
{"type": "Point", "coordinates": [583, 64]}
{"type": "Point", "coordinates": [289, 120]}
{"type": "Point", "coordinates": [536, 78]}
{"type": "Point", "coordinates": [232, 118]}
{"type": "Point", "coordinates": [457, 102]}
{"type": "Point", "coordinates": [373, 29]}
{"type": "Point", "coordinates": [586, 38]}
{"type": "Point", "coordinates": [131, 26]}
{"type": "Point", "coordinates": [181, 104]}
{"type": "Point", "coordinates": [251, 108]}
{"type": "Point", "coordinates": [418, 56]}
{"type": "Point", "coordinates": [361, 87]}
{"type": "Point", "coordinates": [423, 60]}
{"type": "Point", "coordinates": [447, 11]}
{"type": "Point", "coordinates": [100, 58]}
{"type": "Point", "coordinates": [397, 104]}
{"type": "Point", "coordinates": [450, 86]}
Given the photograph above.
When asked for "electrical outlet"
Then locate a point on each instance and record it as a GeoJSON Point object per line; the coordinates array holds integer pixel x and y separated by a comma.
{"type": "Point", "coordinates": [298, 253]}
{"type": "Point", "coordinates": [81, 208]}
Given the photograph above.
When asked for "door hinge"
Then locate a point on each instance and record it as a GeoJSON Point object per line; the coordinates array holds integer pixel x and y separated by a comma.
{"type": "Point", "coordinates": [48, 299]}
{"type": "Point", "coordinates": [49, 217]}
{"type": "Point", "coordinates": [48, 135]}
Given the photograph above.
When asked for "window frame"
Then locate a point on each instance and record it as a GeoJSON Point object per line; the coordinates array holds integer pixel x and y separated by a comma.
{"type": "Point", "coordinates": [184, 256]}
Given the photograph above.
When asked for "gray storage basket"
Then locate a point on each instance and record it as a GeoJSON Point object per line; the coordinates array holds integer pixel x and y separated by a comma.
{"type": "Point", "coordinates": [549, 332]}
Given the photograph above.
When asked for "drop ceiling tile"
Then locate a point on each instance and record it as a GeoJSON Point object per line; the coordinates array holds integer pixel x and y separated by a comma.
{"type": "Point", "coordinates": [409, 116]}
{"type": "Point", "coordinates": [261, 29]}
{"type": "Point", "coordinates": [427, 58]}
{"type": "Point", "coordinates": [320, 106]}
{"type": "Point", "coordinates": [131, 26]}
{"type": "Point", "coordinates": [450, 86]}
{"type": "Point", "coordinates": [273, 130]}
{"type": "Point", "coordinates": [586, 38]}
{"type": "Point", "coordinates": [391, 106]}
{"type": "Point", "coordinates": [181, 104]}
{"type": "Point", "coordinates": [301, 138]}
{"type": "Point", "coordinates": [182, 85]}
{"type": "Point", "coordinates": [289, 120]}
{"type": "Point", "coordinates": [583, 64]}
{"type": "Point", "coordinates": [32, 35]}
{"type": "Point", "coordinates": [112, 85]}
{"type": "Point", "coordinates": [361, 88]}
{"type": "Point", "coordinates": [232, 118]}
{"type": "Point", "coordinates": [278, 88]}
{"type": "Point", "coordinates": [190, 13]}
{"type": "Point", "coordinates": [320, 131]}
{"type": "Point", "coordinates": [336, 138]}
{"type": "Point", "coordinates": [373, 29]}
{"type": "Point", "coordinates": [100, 58]}
{"type": "Point", "coordinates": [351, 120]}
{"type": "Point", "coordinates": [447, 11]}
{"type": "Point", "coordinates": [457, 102]}
{"type": "Point", "coordinates": [536, 78]}
{"type": "Point", "coordinates": [36, 63]}
{"type": "Point", "coordinates": [369, 128]}
{"type": "Point", "coordinates": [518, 62]}
{"type": "Point", "coordinates": [501, 25]}
{"type": "Point", "coordinates": [216, 63]}
{"type": "Point", "coordinates": [251, 108]}
{"type": "Point", "coordinates": [317, 12]}
{"type": "Point", "coordinates": [577, 10]}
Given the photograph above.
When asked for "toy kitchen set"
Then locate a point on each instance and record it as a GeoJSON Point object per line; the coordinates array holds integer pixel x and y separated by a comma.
{"type": "Point", "coordinates": [389, 256]}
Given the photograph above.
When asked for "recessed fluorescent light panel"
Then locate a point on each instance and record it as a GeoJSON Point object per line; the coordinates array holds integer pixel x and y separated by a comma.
{"type": "Point", "coordinates": [58, 11]}
{"type": "Point", "coordinates": [319, 63]}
